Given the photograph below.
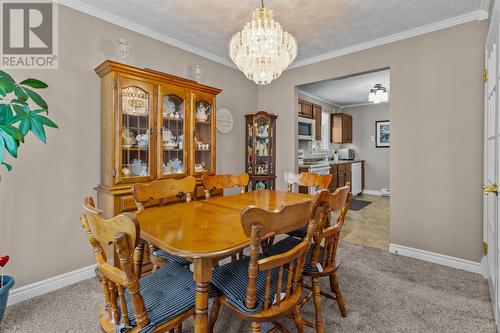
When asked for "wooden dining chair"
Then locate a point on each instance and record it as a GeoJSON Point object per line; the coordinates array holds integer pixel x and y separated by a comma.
{"type": "Point", "coordinates": [260, 289]}
{"type": "Point", "coordinates": [308, 179]}
{"type": "Point", "coordinates": [224, 181]}
{"type": "Point", "coordinates": [158, 193]}
{"type": "Point", "coordinates": [156, 303]}
{"type": "Point", "coordinates": [321, 259]}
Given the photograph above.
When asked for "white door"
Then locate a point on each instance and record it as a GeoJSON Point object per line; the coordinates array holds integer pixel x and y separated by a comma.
{"type": "Point", "coordinates": [491, 165]}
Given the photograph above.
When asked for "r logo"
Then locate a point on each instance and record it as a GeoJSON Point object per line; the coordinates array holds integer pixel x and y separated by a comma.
{"type": "Point", "coordinates": [27, 28]}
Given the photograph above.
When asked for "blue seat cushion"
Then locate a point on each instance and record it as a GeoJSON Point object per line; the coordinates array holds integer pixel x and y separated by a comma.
{"type": "Point", "coordinates": [299, 233]}
{"type": "Point", "coordinates": [232, 280]}
{"type": "Point", "coordinates": [171, 258]}
{"type": "Point", "coordinates": [167, 293]}
{"type": "Point", "coordinates": [289, 243]}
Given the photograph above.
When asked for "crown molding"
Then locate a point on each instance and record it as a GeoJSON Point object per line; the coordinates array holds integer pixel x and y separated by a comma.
{"type": "Point", "coordinates": [484, 9]}
{"type": "Point", "coordinates": [308, 94]}
{"type": "Point", "coordinates": [112, 18]}
{"type": "Point", "coordinates": [478, 15]}
{"type": "Point", "coordinates": [363, 104]}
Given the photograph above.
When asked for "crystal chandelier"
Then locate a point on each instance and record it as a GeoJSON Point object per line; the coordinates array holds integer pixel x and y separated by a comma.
{"type": "Point", "coordinates": [378, 94]}
{"type": "Point", "coordinates": [262, 50]}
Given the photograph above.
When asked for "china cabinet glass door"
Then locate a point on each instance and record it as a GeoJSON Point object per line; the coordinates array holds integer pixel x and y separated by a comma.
{"type": "Point", "coordinates": [135, 117]}
{"type": "Point", "coordinates": [174, 117]}
{"type": "Point", "coordinates": [203, 134]}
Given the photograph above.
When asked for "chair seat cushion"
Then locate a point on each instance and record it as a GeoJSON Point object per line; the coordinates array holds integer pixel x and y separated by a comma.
{"type": "Point", "coordinates": [290, 242]}
{"type": "Point", "coordinates": [171, 258]}
{"type": "Point", "coordinates": [232, 280]}
{"type": "Point", "coordinates": [167, 293]}
{"type": "Point", "coordinates": [299, 233]}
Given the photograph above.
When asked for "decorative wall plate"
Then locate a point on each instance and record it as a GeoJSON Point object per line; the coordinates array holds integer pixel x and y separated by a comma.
{"type": "Point", "coordinates": [224, 121]}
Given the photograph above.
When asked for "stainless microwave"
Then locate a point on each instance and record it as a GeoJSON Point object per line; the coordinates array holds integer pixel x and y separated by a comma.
{"type": "Point", "coordinates": [307, 129]}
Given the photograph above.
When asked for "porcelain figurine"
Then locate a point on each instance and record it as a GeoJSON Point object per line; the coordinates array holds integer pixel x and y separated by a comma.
{"type": "Point", "coordinates": [167, 135]}
{"type": "Point", "coordinates": [143, 139]}
{"type": "Point", "coordinates": [168, 107]}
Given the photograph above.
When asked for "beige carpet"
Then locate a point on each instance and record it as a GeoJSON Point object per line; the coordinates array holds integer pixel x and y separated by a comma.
{"type": "Point", "coordinates": [384, 293]}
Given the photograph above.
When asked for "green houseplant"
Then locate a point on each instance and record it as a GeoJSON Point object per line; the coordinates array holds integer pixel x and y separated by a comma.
{"type": "Point", "coordinates": [22, 110]}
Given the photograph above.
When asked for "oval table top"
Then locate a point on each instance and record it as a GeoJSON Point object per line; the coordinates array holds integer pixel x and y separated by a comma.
{"type": "Point", "coordinates": [207, 228]}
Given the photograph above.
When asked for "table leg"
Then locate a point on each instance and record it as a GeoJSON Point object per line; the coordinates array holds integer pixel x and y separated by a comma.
{"type": "Point", "coordinates": [202, 275]}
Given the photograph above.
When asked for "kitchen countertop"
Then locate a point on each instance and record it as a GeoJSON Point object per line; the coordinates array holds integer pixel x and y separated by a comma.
{"type": "Point", "coordinates": [324, 163]}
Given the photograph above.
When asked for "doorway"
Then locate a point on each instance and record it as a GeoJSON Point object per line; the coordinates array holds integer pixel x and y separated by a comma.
{"type": "Point", "coordinates": [351, 120]}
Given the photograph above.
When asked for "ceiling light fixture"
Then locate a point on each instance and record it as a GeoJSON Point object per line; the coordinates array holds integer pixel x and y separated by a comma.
{"type": "Point", "coordinates": [378, 94]}
{"type": "Point", "coordinates": [262, 50]}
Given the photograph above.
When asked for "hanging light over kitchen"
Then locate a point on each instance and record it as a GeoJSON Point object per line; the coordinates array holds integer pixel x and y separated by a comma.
{"type": "Point", "coordinates": [378, 94]}
{"type": "Point", "coordinates": [262, 50]}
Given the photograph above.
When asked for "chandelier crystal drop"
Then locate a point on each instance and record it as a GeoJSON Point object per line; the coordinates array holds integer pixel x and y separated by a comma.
{"type": "Point", "coordinates": [378, 94]}
{"type": "Point", "coordinates": [262, 50]}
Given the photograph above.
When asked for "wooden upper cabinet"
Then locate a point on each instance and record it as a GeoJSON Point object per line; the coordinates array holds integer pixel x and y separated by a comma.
{"type": "Point", "coordinates": [306, 109]}
{"type": "Point", "coordinates": [341, 128]}
{"type": "Point", "coordinates": [317, 117]}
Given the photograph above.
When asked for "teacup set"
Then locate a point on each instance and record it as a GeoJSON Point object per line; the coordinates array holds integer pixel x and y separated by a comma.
{"type": "Point", "coordinates": [199, 167]}
{"type": "Point", "coordinates": [202, 146]}
{"type": "Point", "coordinates": [136, 168]}
{"type": "Point", "coordinates": [129, 138]}
{"type": "Point", "coordinates": [169, 139]}
{"type": "Point", "coordinates": [173, 166]}
{"type": "Point", "coordinates": [169, 109]}
{"type": "Point", "coordinates": [142, 140]}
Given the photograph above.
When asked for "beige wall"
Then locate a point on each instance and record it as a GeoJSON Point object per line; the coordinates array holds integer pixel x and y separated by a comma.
{"type": "Point", "coordinates": [436, 117]}
{"type": "Point", "coordinates": [40, 199]}
{"type": "Point", "coordinates": [363, 128]}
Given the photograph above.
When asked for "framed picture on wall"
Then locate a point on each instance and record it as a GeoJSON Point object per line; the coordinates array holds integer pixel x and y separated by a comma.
{"type": "Point", "coordinates": [382, 134]}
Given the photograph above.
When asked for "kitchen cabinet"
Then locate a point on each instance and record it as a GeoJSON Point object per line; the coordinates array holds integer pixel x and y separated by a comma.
{"type": "Point", "coordinates": [317, 111]}
{"type": "Point", "coordinates": [334, 172]}
{"type": "Point", "coordinates": [305, 109]}
{"type": "Point", "coordinates": [344, 174]}
{"type": "Point", "coordinates": [340, 128]}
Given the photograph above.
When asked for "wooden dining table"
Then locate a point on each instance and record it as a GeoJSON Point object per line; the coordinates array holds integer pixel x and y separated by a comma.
{"type": "Point", "coordinates": [205, 232]}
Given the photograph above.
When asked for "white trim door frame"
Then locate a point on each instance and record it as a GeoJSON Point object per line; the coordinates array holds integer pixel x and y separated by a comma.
{"type": "Point", "coordinates": [491, 163]}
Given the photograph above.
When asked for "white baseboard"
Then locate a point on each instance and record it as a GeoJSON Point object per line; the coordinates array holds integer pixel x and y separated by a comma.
{"type": "Point", "coordinates": [466, 265]}
{"type": "Point", "coordinates": [42, 287]}
{"type": "Point", "coordinates": [372, 192]}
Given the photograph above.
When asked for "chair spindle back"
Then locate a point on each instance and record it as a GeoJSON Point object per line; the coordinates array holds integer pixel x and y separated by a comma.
{"type": "Point", "coordinates": [259, 224]}
{"type": "Point", "coordinates": [327, 234]}
{"type": "Point", "coordinates": [224, 181]}
{"type": "Point", "coordinates": [308, 179]}
{"type": "Point", "coordinates": [123, 232]}
{"type": "Point", "coordinates": [159, 191]}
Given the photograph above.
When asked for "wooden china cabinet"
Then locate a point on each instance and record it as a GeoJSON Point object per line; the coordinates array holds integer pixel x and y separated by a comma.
{"type": "Point", "coordinates": [260, 152]}
{"type": "Point", "coordinates": [153, 126]}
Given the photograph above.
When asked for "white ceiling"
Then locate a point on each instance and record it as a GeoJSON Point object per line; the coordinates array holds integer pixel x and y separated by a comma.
{"type": "Point", "coordinates": [321, 27]}
{"type": "Point", "coordinates": [348, 91]}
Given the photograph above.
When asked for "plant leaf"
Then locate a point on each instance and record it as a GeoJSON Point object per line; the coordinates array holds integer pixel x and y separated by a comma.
{"type": "Point", "coordinates": [13, 132]}
{"type": "Point", "coordinates": [38, 130]}
{"type": "Point", "coordinates": [3, 92]}
{"type": "Point", "coordinates": [37, 98]}
{"type": "Point", "coordinates": [6, 77]}
{"type": "Point", "coordinates": [5, 113]}
{"type": "Point", "coordinates": [34, 83]}
{"type": "Point", "coordinates": [44, 120]}
{"type": "Point", "coordinates": [37, 111]}
{"type": "Point", "coordinates": [8, 166]}
{"type": "Point", "coordinates": [25, 126]}
{"type": "Point", "coordinates": [21, 94]}
{"type": "Point", "coordinates": [2, 150]}
{"type": "Point", "coordinates": [10, 143]}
